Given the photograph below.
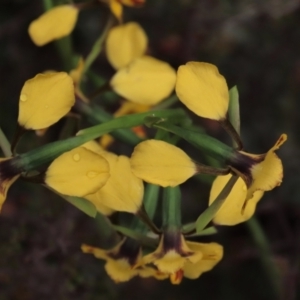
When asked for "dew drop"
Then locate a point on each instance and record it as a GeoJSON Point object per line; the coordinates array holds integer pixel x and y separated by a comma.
{"type": "Point", "coordinates": [92, 174]}
{"type": "Point", "coordinates": [23, 97]}
{"type": "Point", "coordinates": [76, 157]}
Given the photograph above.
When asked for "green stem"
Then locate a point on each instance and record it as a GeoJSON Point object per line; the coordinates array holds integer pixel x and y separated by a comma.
{"type": "Point", "coordinates": [97, 47]}
{"type": "Point", "coordinates": [37, 157]}
{"type": "Point", "coordinates": [150, 204]}
{"type": "Point", "coordinates": [4, 144]}
{"type": "Point", "coordinates": [63, 45]}
{"type": "Point", "coordinates": [269, 266]}
{"type": "Point", "coordinates": [172, 207]}
{"type": "Point", "coordinates": [98, 115]}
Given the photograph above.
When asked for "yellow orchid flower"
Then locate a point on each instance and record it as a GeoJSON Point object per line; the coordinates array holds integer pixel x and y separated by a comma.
{"type": "Point", "coordinates": [258, 174]}
{"type": "Point", "coordinates": [212, 253]}
{"type": "Point", "coordinates": [53, 24]}
{"type": "Point", "coordinates": [177, 257]}
{"type": "Point", "coordinates": [261, 172]}
{"type": "Point", "coordinates": [123, 191]}
{"type": "Point", "coordinates": [145, 81]}
{"type": "Point", "coordinates": [45, 99]}
{"type": "Point", "coordinates": [78, 172]}
{"type": "Point", "coordinates": [124, 43]}
{"type": "Point", "coordinates": [121, 259]}
{"type": "Point", "coordinates": [235, 209]}
{"type": "Point", "coordinates": [203, 90]}
{"type": "Point", "coordinates": [116, 6]}
{"type": "Point", "coordinates": [8, 175]}
{"type": "Point", "coordinates": [161, 163]}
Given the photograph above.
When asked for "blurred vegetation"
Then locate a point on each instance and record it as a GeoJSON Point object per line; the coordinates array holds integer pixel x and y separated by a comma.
{"type": "Point", "coordinates": [256, 46]}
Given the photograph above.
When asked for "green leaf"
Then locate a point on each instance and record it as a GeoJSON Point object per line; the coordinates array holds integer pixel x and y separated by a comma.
{"type": "Point", "coordinates": [84, 205]}
{"type": "Point", "coordinates": [144, 240]}
{"type": "Point", "coordinates": [207, 231]}
{"type": "Point", "coordinates": [234, 109]}
{"type": "Point", "coordinates": [211, 211]}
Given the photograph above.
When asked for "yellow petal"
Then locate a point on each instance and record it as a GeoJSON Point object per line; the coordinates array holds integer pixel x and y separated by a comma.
{"type": "Point", "coordinates": [116, 8]}
{"type": "Point", "coordinates": [171, 255]}
{"type": "Point", "coordinates": [145, 80]}
{"type": "Point", "coordinates": [212, 254]}
{"type": "Point", "coordinates": [120, 270]}
{"type": "Point", "coordinates": [53, 24]}
{"type": "Point", "coordinates": [78, 172]}
{"type": "Point", "coordinates": [118, 265]}
{"type": "Point", "coordinates": [132, 2]}
{"type": "Point", "coordinates": [161, 163]}
{"type": "Point", "coordinates": [45, 99]}
{"type": "Point", "coordinates": [235, 209]}
{"type": "Point", "coordinates": [6, 180]}
{"type": "Point", "coordinates": [76, 73]}
{"type": "Point", "coordinates": [123, 191]}
{"type": "Point", "coordinates": [267, 174]}
{"type": "Point", "coordinates": [203, 90]}
{"type": "Point", "coordinates": [125, 43]}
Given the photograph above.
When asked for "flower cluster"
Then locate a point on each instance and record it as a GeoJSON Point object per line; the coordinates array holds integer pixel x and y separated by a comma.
{"type": "Point", "coordinates": [80, 169]}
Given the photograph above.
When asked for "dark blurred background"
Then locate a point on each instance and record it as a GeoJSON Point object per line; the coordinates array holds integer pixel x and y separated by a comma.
{"type": "Point", "coordinates": [256, 46]}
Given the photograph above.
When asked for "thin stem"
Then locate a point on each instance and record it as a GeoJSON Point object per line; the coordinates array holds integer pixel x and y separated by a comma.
{"type": "Point", "coordinates": [142, 214]}
{"type": "Point", "coordinates": [225, 123]}
{"type": "Point", "coordinates": [202, 169]}
{"type": "Point", "coordinates": [262, 244]}
{"type": "Point", "coordinates": [4, 144]}
{"type": "Point", "coordinates": [18, 134]}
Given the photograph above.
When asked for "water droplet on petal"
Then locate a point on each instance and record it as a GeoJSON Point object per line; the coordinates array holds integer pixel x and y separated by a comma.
{"type": "Point", "coordinates": [92, 174]}
{"type": "Point", "coordinates": [23, 97]}
{"type": "Point", "coordinates": [76, 157]}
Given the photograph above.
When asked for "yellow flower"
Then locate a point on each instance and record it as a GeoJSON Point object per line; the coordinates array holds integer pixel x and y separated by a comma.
{"type": "Point", "coordinates": [123, 191]}
{"type": "Point", "coordinates": [212, 253]}
{"type": "Point", "coordinates": [124, 43]}
{"type": "Point", "coordinates": [8, 175]}
{"type": "Point", "coordinates": [203, 90]}
{"type": "Point", "coordinates": [53, 24]}
{"type": "Point", "coordinates": [161, 163]}
{"type": "Point", "coordinates": [171, 254]}
{"type": "Point", "coordinates": [45, 99]}
{"type": "Point", "coordinates": [261, 172]}
{"type": "Point", "coordinates": [117, 8]}
{"type": "Point", "coordinates": [145, 80]}
{"type": "Point", "coordinates": [121, 259]}
{"type": "Point", "coordinates": [78, 172]}
{"type": "Point", "coordinates": [235, 209]}
{"type": "Point", "coordinates": [177, 257]}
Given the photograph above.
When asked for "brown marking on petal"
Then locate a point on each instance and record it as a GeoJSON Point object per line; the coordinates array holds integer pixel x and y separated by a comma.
{"type": "Point", "coordinates": [176, 277]}
{"type": "Point", "coordinates": [282, 139]}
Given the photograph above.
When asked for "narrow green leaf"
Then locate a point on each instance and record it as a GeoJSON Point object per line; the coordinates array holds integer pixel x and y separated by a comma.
{"type": "Point", "coordinates": [207, 231]}
{"type": "Point", "coordinates": [211, 211]}
{"type": "Point", "coordinates": [234, 109]}
{"type": "Point", "coordinates": [4, 144]}
{"type": "Point", "coordinates": [144, 240]}
{"type": "Point", "coordinates": [84, 205]}
{"type": "Point", "coordinates": [97, 47]}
